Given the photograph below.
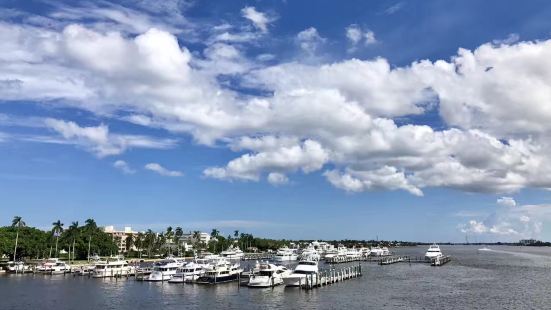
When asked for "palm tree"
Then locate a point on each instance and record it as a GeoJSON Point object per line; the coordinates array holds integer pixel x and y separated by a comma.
{"type": "Point", "coordinates": [57, 229]}
{"type": "Point", "coordinates": [17, 222]}
{"type": "Point", "coordinates": [73, 229]}
{"type": "Point", "coordinates": [178, 233]}
{"type": "Point", "coordinates": [139, 242]}
{"type": "Point", "coordinates": [214, 237]}
{"type": "Point", "coordinates": [90, 225]}
{"type": "Point", "coordinates": [130, 241]}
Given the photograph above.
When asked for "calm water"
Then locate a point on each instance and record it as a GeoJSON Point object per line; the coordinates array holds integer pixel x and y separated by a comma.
{"type": "Point", "coordinates": [505, 278]}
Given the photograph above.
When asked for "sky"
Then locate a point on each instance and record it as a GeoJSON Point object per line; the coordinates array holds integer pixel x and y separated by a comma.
{"type": "Point", "coordinates": [398, 120]}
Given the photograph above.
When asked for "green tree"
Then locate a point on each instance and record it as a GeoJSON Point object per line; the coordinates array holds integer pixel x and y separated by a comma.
{"type": "Point", "coordinates": [16, 222]}
{"type": "Point", "coordinates": [57, 229]}
{"type": "Point", "coordinates": [73, 233]}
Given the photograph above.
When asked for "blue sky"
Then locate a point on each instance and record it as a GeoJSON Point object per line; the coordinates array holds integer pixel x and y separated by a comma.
{"type": "Point", "coordinates": [412, 120]}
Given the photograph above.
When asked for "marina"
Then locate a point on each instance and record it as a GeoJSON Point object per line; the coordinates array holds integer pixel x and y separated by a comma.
{"type": "Point", "coordinates": [398, 286]}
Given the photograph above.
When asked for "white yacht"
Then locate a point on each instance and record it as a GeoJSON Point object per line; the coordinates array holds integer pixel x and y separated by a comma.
{"type": "Point", "coordinates": [310, 253]}
{"type": "Point", "coordinates": [302, 270]}
{"type": "Point", "coordinates": [53, 266]}
{"type": "Point", "coordinates": [285, 254]}
{"type": "Point", "coordinates": [114, 266]}
{"type": "Point", "coordinates": [352, 254]}
{"type": "Point", "coordinates": [165, 269]}
{"type": "Point", "coordinates": [219, 272]}
{"type": "Point", "coordinates": [378, 251]}
{"type": "Point", "coordinates": [433, 252]}
{"type": "Point", "coordinates": [18, 267]}
{"type": "Point", "coordinates": [190, 272]}
{"type": "Point", "coordinates": [269, 275]}
{"type": "Point", "coordinates": [232, 253]}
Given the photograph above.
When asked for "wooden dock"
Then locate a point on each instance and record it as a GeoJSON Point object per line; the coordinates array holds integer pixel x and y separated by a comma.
{"type": "Point", "coordinates": [257, 256]}
{"type": "Point", "coordinates": [331, 276]}
{"type": "Point", "coordinates": [389, 260]}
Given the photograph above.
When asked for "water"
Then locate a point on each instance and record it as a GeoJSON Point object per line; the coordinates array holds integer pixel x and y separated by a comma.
{"type": "Point", "coordinates": [504, 278]}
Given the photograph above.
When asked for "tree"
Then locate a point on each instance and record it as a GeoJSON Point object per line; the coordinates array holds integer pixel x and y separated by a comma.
{"type": "Point", "coordinates": [17, 222]}
{"type": "Point", "coordinates": [57, 230]}
{"type": "Point", "coordinates": [214, 234]}
{"type": "Point", "coordinates": [73, 232]}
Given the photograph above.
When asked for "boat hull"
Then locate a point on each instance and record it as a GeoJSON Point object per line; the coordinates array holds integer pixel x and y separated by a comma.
{"type": "Point", "coordinates": [216, 280]}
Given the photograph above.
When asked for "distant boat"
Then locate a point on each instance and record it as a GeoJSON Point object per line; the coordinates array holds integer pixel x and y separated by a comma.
{"type": "Point", "coordinates": [433, 252]}
{"type": "Point", "coordinates": [485, 249]}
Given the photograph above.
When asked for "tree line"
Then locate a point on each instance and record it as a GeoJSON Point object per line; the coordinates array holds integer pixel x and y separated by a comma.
{"type": "Point", "coordinates": [21, 241]}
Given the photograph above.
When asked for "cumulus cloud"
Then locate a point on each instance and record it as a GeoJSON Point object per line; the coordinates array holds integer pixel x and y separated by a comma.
{"type": "Point", "coordinates": [356, 36]}
{"type": "Point", "coordinates": [276, 178]}
{"type": "Point", "coordinates": [308, 156]}
{"type": "Point", "coordinates": [310, 40]}
{"type": "Point", "coordinates": [511, 223]}
{"type": "Point", "coordinates": [506, 201]}
{"type": "Point", "coordinates": [260, 20]}
{"type": "Point", "coordinates": [155, 167]}
{"type": "Point", "coordinates": [98, 139]}
{"type": "Point", "coordinates": [343, 114]}
{"type": "Point", "coordinates": [124, 167]}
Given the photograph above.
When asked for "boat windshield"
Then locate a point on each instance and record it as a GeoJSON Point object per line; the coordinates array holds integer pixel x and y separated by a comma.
{"type": "Point", "coordinates": [304, 272]}
{"type": "Point", "coordinates": [266, 273]}
{"type": "Point", "coordinates": [307, 263]}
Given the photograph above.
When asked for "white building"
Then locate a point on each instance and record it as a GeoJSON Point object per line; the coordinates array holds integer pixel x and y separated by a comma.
{"type": "Point", "coordinates": [121, 235]}
{"type": "Point", "coordinates": [190, 238]}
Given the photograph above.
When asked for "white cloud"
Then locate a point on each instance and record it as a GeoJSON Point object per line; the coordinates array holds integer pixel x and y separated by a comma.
{"type": "Point", "coordinates": [523, 221]}
{"type": "Point", "coordinates": [385, 177]}
{"type": "Point", "coordinates": [308, 157]}
{"type": "Point", "coordinates": [356, 36]}
{"type": "Point", "coordinates": [493, 99]}
{"type": "Point", "coordinates": [506, 202]}
{"type": "Point", "coordinates": [98, 139]}
{"type": "Point", "coordinates": [511, 38]}
{"type": "Point", "coordinates": [309, 40]}
{"type": "Point", "coordinates": [124, 167]}
{"type": "Point", "coordinates": [276, 178]}
{"type": "Point", "coordinates": [155, 167]}
{"type": "Point", "coordinates": [260, 20]}
{"type": "Point", "coordinates": [394, 8]}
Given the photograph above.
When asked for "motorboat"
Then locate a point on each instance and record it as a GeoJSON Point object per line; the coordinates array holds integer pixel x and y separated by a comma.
{"type": "Point", "coordinates": [165, 269]}
{"type": "Point", "coordinates": [378, 251]}
{"type": "Point", "coordinates": [219, 272]}
{"type": "Point", "coordinates": [190, 272]}
{"type": "Point", "coordinates": [269, 275]}
{"type": "Point", "coordinates": [59, 268]}
{"type": "Point", "coordinates": [46, 265]}
{"type": "Point", "coordinates": [114, 266]}
{"type": "Point", "coordinates": [310, 253]}
{"type": "Point", "coordinates": [302, 270]}
{"type": "Point", "coordinates": [433, 252]}
{"type": "Point", "coordinates": [353, 254]}
{"type": "Point", "coordinates": [18, 267]}
{"type": "Point", "coordinates": [285, 254]}
{"type": "Point", "coordinates": [232, 253]}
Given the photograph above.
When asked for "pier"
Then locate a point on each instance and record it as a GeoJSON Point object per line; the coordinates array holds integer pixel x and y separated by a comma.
{"type": "Point", "coordinates": [331, 276]}
{"type": "Point", "coordinates": [257, 256]}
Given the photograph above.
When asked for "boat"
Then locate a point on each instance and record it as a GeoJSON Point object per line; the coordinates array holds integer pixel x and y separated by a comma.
{"type": "Point", "coordinates": [378, 251]}
{"type": "Point", "coordinates": [53, 266]}
{"type": "Point", "coordinates": [310, 253]}
{"type": "Point", "coordinates": [269, 275]}
{"type": "Point", "coordinates": [302, 270]}
{"type": "Point", "coordinates": [485, 249]}
{"type": "Point", "coordinates": [18, 267]}
{"type": "Point", "coordinates": [285, 254]}
{"type": "Point", "coordinates": [190, 272]}
{"type": "Point", "coordinates": [164, 269]}
{"type": "Point", "coordinates": [219, 272]}
{"type": "Point", "coordinates": [232, 253]}
{"type": "Point", "coordinates": [113, 267]}
{"type": "Point", "coordinates": [433, 252]}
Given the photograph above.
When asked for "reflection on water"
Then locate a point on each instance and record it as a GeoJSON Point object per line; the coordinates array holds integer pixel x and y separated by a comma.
{"type": "Point", "coordinates": [504, 278]}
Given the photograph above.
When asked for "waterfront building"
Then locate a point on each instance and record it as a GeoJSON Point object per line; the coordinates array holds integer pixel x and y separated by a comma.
{"type": "Point", "coordinates": [121, 236]}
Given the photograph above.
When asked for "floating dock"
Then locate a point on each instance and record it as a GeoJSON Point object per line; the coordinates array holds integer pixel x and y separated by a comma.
{"type": "Point", "coordinates": [330, 276]}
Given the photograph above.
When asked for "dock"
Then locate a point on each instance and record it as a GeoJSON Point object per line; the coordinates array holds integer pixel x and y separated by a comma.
{"type": "Point", "coordinates": [257, 256]}
{"type": "Point", "coordinates": [389, 260]}
{"type": "Point", "coordinates": [331, 276]}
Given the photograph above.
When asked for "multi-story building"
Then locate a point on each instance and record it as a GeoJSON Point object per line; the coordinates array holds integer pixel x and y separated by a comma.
{"type": "Point", "coordinates": [190, 238]}
{"type": "Point", "coordinates": [121, 236]}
